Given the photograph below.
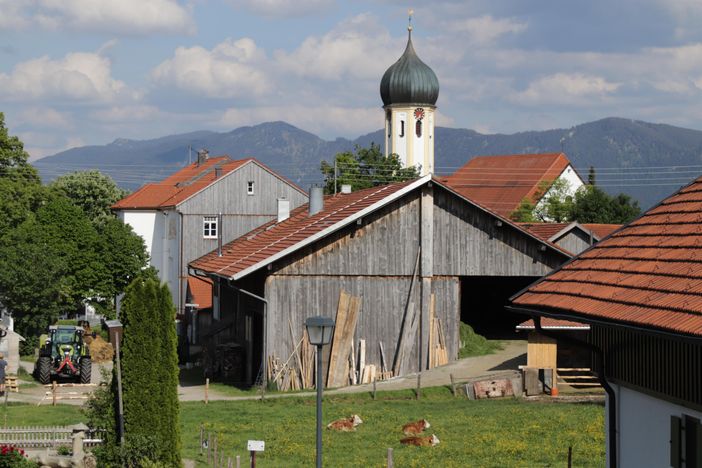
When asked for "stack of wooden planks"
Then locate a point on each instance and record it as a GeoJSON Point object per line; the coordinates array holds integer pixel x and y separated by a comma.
{"type": "Point", "coordinates": [438, 354]}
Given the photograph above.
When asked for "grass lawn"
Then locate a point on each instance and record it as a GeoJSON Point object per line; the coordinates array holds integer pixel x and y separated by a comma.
{"type": "Point", "coordinates": [486, 433]}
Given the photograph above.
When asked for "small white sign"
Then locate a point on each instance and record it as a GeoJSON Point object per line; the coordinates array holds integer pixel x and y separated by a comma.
{"type": "Point", "coordinates": [256, 446]}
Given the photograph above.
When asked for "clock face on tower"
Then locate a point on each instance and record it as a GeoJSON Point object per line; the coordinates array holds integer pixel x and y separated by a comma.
{"type": "Point", "coordinates": [419, 113]}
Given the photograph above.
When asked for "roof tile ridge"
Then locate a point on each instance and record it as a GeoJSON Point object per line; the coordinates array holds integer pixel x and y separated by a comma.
{"type": "Point", "coordinates": [305, 226]}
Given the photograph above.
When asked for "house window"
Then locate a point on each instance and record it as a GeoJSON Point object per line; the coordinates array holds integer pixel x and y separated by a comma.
{"type": "Point", "coordinates": [418, 128]}
{"type": "Point", "coordinates": [250, 187]}
{"type": "Point", "coordinates": [685, 442]}
{"type": "Point", "coordinates": [402, 128]}
{"type": "Point", "coordinates": [209, 227]}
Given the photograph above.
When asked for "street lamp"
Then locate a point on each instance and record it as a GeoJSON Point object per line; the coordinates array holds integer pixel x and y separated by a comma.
{"type": "Point", "coordinates": [319, 332]}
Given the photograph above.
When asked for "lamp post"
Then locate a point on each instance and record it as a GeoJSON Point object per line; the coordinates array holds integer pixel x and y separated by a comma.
{"type": "Point", "coordinates": [319, 331]}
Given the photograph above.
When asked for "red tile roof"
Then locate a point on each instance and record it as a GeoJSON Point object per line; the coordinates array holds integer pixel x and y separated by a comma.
{"type": "Point", "coordinates": [502, 182]}
{"type": "Point", "coordinates": [548, 323]}
{"type": "Point", "coordinates": [185, 183]}
{"type": "Point", "coordinates": [200, 291]}
{"type": "Point", "coordinates": [647, 274]}
{"type": "Point", "coordinates": [272, 240]}
{"type": "Point", "coordinates": [544, 230]}
{"type": "Point", "coordinates": [602, 230]}
{"type": "Point", "coordinates": [547, 231]}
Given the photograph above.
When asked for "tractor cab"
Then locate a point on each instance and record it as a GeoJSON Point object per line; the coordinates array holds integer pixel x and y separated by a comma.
{"type": "Point", "coordinates": [64, 354]}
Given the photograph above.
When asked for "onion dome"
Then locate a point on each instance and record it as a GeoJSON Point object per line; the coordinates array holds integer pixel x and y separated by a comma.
{"type": "Point", "coordinates": [409, 80]}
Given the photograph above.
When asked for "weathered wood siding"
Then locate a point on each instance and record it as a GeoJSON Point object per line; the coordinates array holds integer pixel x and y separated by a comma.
{"type": "Point", "coordinates": [469, 242]}
{"type": "Point", "coordinates": [295, 297]}
{"type": "Point", "coordinates": [575, 241]}
{"type": "Point", "coordinates": [384, 244]}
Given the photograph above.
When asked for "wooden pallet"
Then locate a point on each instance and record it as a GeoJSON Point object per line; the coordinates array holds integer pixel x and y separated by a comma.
{"type": "Point", "coordinates": [11, 383]}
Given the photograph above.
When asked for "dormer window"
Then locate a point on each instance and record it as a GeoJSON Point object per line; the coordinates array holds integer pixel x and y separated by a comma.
{"type": "Point", "coordinates": [209, 227]}
{"type": "Point", "coordinates": [250, 187]}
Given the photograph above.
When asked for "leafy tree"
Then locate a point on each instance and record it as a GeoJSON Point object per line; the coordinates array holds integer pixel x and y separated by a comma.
{"type": "Point", "coordinates": [49, 265]}
{"type": "Point", "coordinates": [364, 168]}
{"type": "Point", "coordinates": [14, 160]}
{"type": "Point", "coordinates": [556, 205]}
{"type": "Point", "coordinates": [150, 370]}
{"type": "Point", "coordinates": [93, 191]}
{"type": "Point", "coordinates": [122, 252]}
{"type": "Point", "coordinates": [593, 205]}
{"type": "Point", "coordinates": [524, 212]}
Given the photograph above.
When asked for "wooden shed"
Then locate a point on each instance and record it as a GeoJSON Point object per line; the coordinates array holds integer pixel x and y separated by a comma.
{"type": "Point", "coordinates": [394, 246]}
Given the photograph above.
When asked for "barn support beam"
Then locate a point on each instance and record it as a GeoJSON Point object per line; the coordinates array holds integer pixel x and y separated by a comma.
{"type": "Point", "coordinates": [427, 272]}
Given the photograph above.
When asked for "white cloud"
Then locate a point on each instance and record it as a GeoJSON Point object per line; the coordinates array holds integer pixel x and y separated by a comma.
{"type": "Point", "coordinates": [123, 16]}
{"type": "Point", "coordinates": [486, 29]}
{"type": "Point", "coordinates": [44, 117]}
{"type": "Point", "coordinates": [562, 88]}
{"type": "Point", "coordinates": [79, 76]}
{"type": "Point", "coordinates": [131, 113]}
{"type": "Point", "coordinates": [357, 48]}
{"type": "Point", "coordinates": [284, 8]}
{"type": "Point", "coordinates": [231, 68]}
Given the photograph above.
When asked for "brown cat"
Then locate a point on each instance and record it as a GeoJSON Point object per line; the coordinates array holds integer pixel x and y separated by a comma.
{"type": "Point", "coordinates": [416, 427]}
{"type": "Point", "coordinates": [421, 441]}
{"type": "Point", "coordinates": [345, 425]}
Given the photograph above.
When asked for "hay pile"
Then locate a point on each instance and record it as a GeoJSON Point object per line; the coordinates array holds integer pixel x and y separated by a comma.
{"type": "Point", "coordinates": [100, 350]}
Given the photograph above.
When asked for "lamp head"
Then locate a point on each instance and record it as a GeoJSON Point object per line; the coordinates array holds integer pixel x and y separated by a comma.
{"type": "Point", "coordinates": [319, 330]}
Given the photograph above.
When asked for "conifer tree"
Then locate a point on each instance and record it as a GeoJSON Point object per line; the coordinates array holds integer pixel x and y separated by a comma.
{"type": "Point", "coordinates": [150, 371]}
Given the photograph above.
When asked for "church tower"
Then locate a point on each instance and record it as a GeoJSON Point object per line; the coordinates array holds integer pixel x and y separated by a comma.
{"type": "Point", "coordinates": [409, 90]}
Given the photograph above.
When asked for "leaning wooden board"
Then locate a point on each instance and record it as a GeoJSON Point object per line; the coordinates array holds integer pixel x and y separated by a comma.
{"type": "Point", "coordinates": [346, 318]}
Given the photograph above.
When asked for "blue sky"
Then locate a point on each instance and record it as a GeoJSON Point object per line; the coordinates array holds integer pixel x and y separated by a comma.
{"type": "Point", "coordinates": [78, 72]}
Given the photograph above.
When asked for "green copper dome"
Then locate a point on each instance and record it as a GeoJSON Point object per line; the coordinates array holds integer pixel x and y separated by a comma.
{"type": "Point", "coordinates": [409, 81]}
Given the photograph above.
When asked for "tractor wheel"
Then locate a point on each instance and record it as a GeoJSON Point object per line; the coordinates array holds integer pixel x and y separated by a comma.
{"type": "Point", "coordinates": [85, 370]}
{"type": "Point", "coordinates": [44, 370]}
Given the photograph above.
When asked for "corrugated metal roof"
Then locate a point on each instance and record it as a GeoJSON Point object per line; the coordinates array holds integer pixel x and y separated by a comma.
{"type": "Point", "coordinates": [502, 182]}
{"type": "Point", "coordinates": [649, 273]}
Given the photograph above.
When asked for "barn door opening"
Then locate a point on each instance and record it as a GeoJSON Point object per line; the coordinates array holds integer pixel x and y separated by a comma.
{"type": "Point", "coordinates": [483, 300]}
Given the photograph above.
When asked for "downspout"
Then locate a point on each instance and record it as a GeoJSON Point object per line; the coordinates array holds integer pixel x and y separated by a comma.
{"type": "Point", "coordinates": [265, 327]}
{"type": "Point", "coordinates": [181, 276]}
{"type": "Point", "coordinates": [600, 371]}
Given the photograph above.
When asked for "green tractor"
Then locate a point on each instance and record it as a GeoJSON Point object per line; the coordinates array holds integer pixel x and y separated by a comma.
{"type": "Point", "coordinates": [63, 354]}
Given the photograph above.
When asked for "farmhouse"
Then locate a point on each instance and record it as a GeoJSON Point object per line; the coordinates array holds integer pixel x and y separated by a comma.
{"type": "Point", "coordinates": [188, 214]}
{"type": "Point", "coordinates": [573, 237]}
{"type": "Point", "coordinates": [393, 246]}
{"type": "Point", "coordinates": [502, 183]}
{"type": "Point", "coordinates": [640, 291]}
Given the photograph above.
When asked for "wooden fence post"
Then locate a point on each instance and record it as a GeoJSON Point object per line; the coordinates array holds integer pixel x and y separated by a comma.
{"type": "Point", "coordinates": [391, 463]}
{"type": "Point", "coordinates": [53, 393]}
{"type": "Point", "coordinates": [374, 389]}
{"type": "Point", "coordinates": [202, 431]}
{"type": "Point", "coordinates": [209, 446]}
{"type": "Point", "coordinates": [570, 457]}
{"type": "Point", "coordinates": [214, 459]}
{"type": "Point", "coordinates": [419, 385]}
{"type": "Point", "coordinates": [238, 461]}
{"type": "Point", "coordinates": [453, 385]}
{"type": "Point", "coordinates": [207, 390]}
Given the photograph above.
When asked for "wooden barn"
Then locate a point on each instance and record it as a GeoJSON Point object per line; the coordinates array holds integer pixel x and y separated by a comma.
{"type": "Point", "coordinates": [395, 247]}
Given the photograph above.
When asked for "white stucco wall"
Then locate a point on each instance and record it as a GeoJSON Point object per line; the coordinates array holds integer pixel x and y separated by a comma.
{"type": "Point", "coordinates": [574, 182]}
{"type": "Point", "coordinates": [644, 428]}
{"type": "Point", "coordinates": [143, 223]}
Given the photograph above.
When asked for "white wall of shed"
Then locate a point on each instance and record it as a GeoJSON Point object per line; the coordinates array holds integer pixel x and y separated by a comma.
{"type": "Point", "coordinates": [644, 427]}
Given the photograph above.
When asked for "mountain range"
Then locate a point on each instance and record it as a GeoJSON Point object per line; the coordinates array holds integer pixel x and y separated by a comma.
{"type": "Point", "coordinates": [644, 160]}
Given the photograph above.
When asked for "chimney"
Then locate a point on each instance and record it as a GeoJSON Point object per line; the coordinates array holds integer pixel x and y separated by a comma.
{"type": "Point", "coordinates": [316, 199]}
{"type": "Point", "coordinates": [218, 172]}
{"type": "Point", "coordinates": [346, 188]}
{"type": "Point", "coordinates": [202, 156]}
{"type": "Point", "coordinates": [283, 209]}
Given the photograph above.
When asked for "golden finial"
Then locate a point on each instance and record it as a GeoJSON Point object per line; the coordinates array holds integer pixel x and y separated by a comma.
{"type": "Point", "coordinates": [409, 25]}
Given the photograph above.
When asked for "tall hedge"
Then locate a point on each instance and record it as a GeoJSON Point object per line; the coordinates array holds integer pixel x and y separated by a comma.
{"type": "Point", "coordinates": [150, 370]}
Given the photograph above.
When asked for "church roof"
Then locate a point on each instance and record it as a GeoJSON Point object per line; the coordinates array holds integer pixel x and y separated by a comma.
{"type": "Point", "coordinates": [409, 80]}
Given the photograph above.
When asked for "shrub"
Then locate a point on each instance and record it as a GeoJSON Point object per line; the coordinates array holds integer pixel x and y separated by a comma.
{"type": "Point", "coordinates": [12, 457]}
